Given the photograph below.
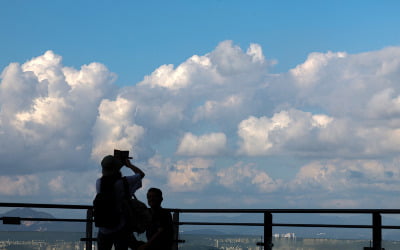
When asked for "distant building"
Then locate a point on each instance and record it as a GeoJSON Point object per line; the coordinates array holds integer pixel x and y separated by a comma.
{"type": "Point", "coordinates": [285, 235]}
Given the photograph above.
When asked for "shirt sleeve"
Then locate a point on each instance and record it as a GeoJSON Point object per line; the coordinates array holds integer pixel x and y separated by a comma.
{"type": "Point", "coordinates": [134, 182]}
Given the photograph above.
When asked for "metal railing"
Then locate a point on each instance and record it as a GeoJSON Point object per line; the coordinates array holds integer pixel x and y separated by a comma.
{"type": "Point", "coordinates": [88, 220]}
{"type": "Point", "coordinates": [267, 223]}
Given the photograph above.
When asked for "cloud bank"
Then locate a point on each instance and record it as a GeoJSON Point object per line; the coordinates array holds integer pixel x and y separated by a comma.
{"type": "Point", "coordinates": [220, 122]}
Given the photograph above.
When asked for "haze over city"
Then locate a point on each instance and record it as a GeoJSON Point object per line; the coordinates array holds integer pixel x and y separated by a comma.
{"type": "Point", "coordinates": [223, 104]}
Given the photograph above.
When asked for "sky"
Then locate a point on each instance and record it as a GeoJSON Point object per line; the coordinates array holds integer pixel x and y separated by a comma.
{"type": "Point", "coordinates": [223, 104]}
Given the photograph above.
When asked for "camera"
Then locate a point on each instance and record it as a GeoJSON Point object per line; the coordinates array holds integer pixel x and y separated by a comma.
{"type": "Point", "coordinates": [122, 155]}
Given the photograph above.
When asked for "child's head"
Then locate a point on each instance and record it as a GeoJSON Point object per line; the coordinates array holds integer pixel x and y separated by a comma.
{"type": "Point", "coordinates": [154, 197]}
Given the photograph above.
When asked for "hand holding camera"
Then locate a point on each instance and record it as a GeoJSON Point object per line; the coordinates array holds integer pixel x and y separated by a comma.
{"type": "Point", "coordinates": [123, 156]}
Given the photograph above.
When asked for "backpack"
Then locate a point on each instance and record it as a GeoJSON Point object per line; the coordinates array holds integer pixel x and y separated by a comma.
{"type": "Point", "coordinates": [137, 214]}
{"type": "Point", "coordinates": [105, 211]}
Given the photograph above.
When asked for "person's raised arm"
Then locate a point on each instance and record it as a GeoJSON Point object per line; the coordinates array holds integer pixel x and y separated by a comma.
{"type": "Point", "coordinates": [135, 169]}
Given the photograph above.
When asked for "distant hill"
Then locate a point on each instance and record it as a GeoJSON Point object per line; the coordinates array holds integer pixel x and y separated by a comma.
{"type": "Point", "coordinates": [39, 226]}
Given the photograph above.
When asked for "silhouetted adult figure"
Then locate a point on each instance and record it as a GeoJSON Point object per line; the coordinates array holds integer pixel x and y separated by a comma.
{"type": "Point", "coordinates": [160, 233]}
{"type": "Point", "coordinates": [119, 235]}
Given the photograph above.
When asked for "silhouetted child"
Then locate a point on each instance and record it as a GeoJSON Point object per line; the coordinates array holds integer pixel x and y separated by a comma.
{"type": "Point", "coordinates": [160, 233]}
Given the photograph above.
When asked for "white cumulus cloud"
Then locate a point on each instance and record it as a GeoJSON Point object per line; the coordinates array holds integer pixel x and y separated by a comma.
{"type": "Point", "coordinates": [332, 122]}
{"type": "Point", "coordinates": [115, 128]}
{"type": "Point", "coordinates": [208, 144]}
{"type": "Point", "coordinates": [47, 114]}
{"type": "Point", "coordinates": [190, 175]}
{"type": "Point", "coordinates": [22, 185]}
{"type": "Point", "coordinates": [239, 177]}
{"type": "Point", "coordinates": [308, 73]}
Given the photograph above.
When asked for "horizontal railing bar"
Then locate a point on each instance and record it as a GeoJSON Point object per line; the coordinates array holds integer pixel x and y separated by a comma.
{"type": "Point", "coordinates": [38, 205]}
{"type": "Point", "coordinates": [282, 225]}
{"type": "Point", "coordinates": [226, 223]}
{"type": "Point", "coordinates": [222, 224]}
{"type": "Point", "coordinates": [390, 227]}
{"type": "Point", "coordinates": [274, 224]}
{"type": "Point", "coordinates": [320, 225]}
{"type": "Point", "coordinates": [298, 211]}
{"type": "Point", "coordinates": [50, 219]}
{"type": "Point", "coordinates": [305, 211]}
{"type": "Point", "coordinates": [272, 211]}
{"type": "Point", "coordinates": [329, 225]}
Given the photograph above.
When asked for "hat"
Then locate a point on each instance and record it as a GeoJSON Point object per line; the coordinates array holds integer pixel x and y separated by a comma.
{"type": "Point", "coordinates": [110, 165]}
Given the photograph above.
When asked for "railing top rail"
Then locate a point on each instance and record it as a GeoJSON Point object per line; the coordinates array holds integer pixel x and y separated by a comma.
{"type": "Point", "coordinates": [298, 211]}
{"type": "Point", "coordinates": [38, 205]}
{"type": "Point", "coordinates": [217, 210]}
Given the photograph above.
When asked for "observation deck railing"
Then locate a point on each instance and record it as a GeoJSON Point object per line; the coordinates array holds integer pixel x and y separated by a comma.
{"type": "Point", "coordinates": [267, 223]}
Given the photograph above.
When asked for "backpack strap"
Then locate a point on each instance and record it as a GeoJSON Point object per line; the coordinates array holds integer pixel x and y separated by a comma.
{"type": "Point", "coordinates": [126, 189]}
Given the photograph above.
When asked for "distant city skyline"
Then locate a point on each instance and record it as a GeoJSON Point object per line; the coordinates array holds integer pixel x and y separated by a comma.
{"type": "Point", "coordinates": [65, 241]}
{"type": "Point", "coordinates": [223, 104]}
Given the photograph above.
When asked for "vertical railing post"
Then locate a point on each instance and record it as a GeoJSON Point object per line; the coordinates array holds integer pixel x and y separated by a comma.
{"type": "Point", "coordinates": [89, 229]}
{"type": "Point", "coordinates": [376, 231]}
{"type": "Point", "coordinates": [268, 231]}
{"type": "Point", "coordinates": [175, 221]}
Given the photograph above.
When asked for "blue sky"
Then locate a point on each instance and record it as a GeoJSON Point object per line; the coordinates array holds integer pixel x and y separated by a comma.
{"type": "Point", "coordinates": [134, 37]}
{"type": "Point", "coordinates": [277, 104]}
